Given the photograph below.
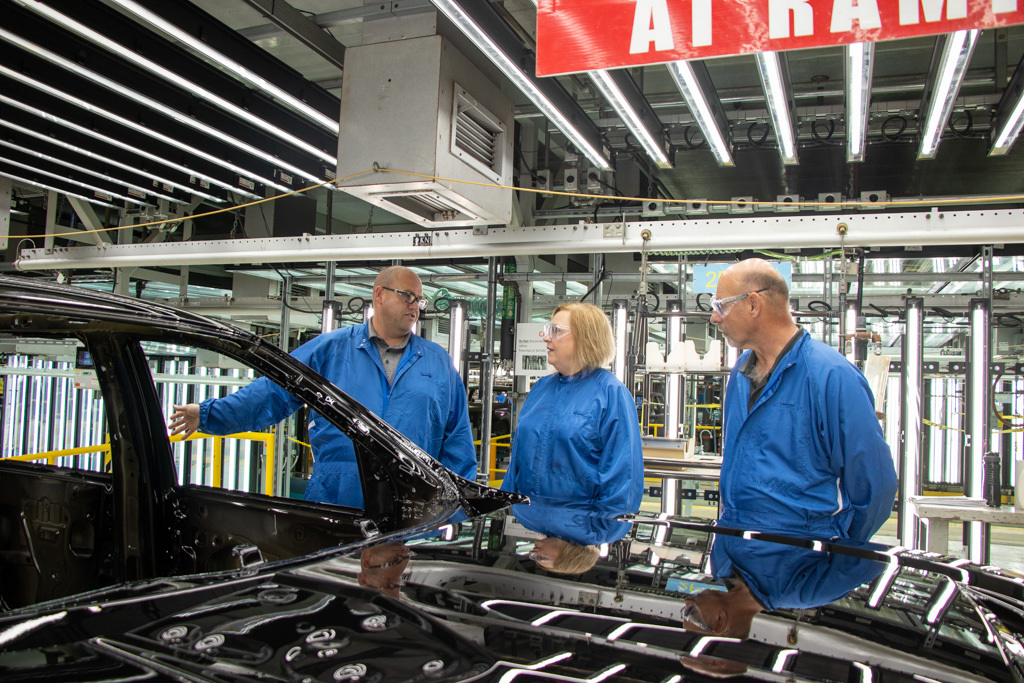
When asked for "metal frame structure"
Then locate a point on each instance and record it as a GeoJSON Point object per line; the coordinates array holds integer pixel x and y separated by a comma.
{"type": "Point", "coordinates": [866, 230]}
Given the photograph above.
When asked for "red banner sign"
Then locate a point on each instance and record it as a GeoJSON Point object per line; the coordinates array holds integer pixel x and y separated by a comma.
{"type": "Point", "coordinates": [581, 35]}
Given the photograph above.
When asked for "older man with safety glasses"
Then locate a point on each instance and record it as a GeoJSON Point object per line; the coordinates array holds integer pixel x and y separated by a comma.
{"type": "Point", "coordinates": [406, 380]}
{"type": "Point", "coordinates": [804, 452]}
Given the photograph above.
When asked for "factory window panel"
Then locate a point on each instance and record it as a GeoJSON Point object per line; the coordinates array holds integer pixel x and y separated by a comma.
{"type": "Point", "coordinates": [51, 407]}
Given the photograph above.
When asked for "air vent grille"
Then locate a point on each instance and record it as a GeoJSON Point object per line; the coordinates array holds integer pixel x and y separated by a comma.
{"type": "Point", "coordinates": [426, 206]}
{"type": "Point", "coordinates": [476, 135]}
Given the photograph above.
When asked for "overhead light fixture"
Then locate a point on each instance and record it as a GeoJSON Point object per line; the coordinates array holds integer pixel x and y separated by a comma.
{"type": "Point", "coordinates": [44, 186]}
{"type": "Point", "coordinates": [457, 15]}
{"type": "Point", "coordinates": [82, 169]}
{"type": "Point", "coordinates": [620, 313]}
{"type": "Point", "coordinates": [977, 408]}
{"type": "Point", "coordinates": [113, 162]}
{"type": "Point", "coordinates": [172, 114]}
{"type": "Point", "coordinates": [695, 86]}
{"type": "Point", "coordinates": [860, 64]}
{"type": "Point", "coordinates": [1009, 118]}
{"type": "Point", "coordinates": [176, 79]}
{"type": "Point", "coordinates": [77, 183]}
{"type": "Point", "coordinates": [613, 93]}
{"type": "Point", "coordinates": [140, 129]}
{"type": "Point", "coordinates": [773, 68]}
{"type": "Point", "coordinates": [945, 76]}
{"type": "Point", "coordinates": [911, 376]}
{"type": "Point", "coordinates": [243, 73]}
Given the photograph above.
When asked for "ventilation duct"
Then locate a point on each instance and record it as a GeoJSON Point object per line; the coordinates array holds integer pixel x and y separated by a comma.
{"type": "Point", "coordinates": [420, 106]}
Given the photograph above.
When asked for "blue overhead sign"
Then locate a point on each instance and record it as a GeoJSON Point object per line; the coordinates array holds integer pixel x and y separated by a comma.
{"type": "Point", "coordinates": [705, 276]}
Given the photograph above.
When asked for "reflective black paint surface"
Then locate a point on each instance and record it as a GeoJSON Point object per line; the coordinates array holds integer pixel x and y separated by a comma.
{"type": "Point", "coordinates": [439, 579]}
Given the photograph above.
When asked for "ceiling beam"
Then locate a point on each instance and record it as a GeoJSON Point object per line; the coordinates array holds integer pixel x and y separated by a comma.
{"type": "Point", "coordinates": [302, 29]}
{"type": "Point", "coordinates": [778, 232]}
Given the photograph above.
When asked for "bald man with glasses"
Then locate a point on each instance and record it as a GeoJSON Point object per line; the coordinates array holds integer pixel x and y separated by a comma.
{"type": "Point", "coordinates": [804, 452]}
{"type": "Point", "coordinates": [406, 380]}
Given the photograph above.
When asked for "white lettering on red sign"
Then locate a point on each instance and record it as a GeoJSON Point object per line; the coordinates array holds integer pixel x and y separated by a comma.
{"type": "Point", "coordinates": [909, 10]}
{"type": "Point", "coordinates": [582, 35]}
{"type": "Point", "coordinates": [651, 25]}
{"type": "Point", "coordinates": [863, 12]}
{"type": "Point", "coordinates": [779, 12]}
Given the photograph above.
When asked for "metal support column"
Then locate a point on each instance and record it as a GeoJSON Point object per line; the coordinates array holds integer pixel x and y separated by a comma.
{"type": "Point", "coordinates": [487, 370]}
{"type": "Point", "coordinates": [911, 372]}
{"type": "Point", "coordinates": [282, 483]}
{"type": "Point", "coordinates": [978, 430]}
{"type": "Point", "coordinates": [674, 383]}
{"type": "Point", "coordinates": [596, 267]}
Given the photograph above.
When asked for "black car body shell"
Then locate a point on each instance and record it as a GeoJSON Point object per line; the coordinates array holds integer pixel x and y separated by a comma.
{"type": "Point", "coordinates": [175, 582]}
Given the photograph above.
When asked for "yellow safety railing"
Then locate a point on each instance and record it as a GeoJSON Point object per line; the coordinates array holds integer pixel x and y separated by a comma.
{"type": "Point", "coordinates": [218, 453]}
{"type": "Point", "coordinates": [497, 442]}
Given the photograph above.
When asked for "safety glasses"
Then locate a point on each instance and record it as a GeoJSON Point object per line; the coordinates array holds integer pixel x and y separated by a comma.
{"type": "Point", "coordinates": [722, 306]}
{"type": "Point", "coordinates": [553, 331]}
{"type": "Point", "coordinates": [408, 297]}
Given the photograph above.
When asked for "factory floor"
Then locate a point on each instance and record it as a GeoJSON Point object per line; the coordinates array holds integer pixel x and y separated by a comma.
{"type": "Point", "coordinates": [1007, 543]}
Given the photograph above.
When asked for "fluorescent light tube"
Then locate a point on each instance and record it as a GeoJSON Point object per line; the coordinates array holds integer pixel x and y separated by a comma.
{"type": "Point", "coordinates": [38, 184]}
{"type": "Point", "coordinates": [175, 79]}
{"type": "Point", "coordinates": [777, 96]}
{"type": "Point", "coordinates": [139, 129]}
{"type": "Point", "coordinates": [87, 186]}
{"type": "Point", "coordinates": [234, 67]}
{"type": "Point", "coordinates": [114, 162]}
{"type": "Point", "coordinates": [957, 49]}
{"type": "Point", "coordinates": [490, 49]}
{"type": "Point", "coordinates": [82, 169]}
{"type": "Point", "coordinates": [700, 108]}
{"type": "Point", "coordinates": [172, 114]}
{"type": "Point", "coordinates": [624, 109]}
{"type": "Point", "coordinates": [860, 60]}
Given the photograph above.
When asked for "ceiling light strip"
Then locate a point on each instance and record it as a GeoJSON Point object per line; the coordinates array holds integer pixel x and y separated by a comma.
{"type": "Point", "coordinates": [1009, 114]}
{"type": "Point", "coordinates": [137, 128]}
{"type": "Point", "coordinates": [490, 49]}
{"type": "Point", "coordinates": [82, 169]}
{"type": "Point", "coordinates": [87, 186]}
{"type": "Point", "coordinates": [956, 50]}
{"type": "Point", "coordinates": [231, 65]}
{"type": "Point", "coordinates": [777, 96]}
{"type": "Point", "coordinates": [615, 97]}
{"type": "Point", "coordinates": [113, 162]}
{"type": "Point", "coordinates": [43, 186]}
{"type": "Point", "coordinates": [173, 114]}
{"type": "Point", "coordinates": [860, 60]}
{"type": "Point", "coordinates": [697, 101]}
{"type": "Point", "coordinates": [175, 79]}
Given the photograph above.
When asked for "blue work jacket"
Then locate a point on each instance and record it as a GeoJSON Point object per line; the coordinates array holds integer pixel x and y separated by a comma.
{"type": "Point", "coordinates": [578, 440]}
{"type": "Point", "coordinates": [808, 457]}
{"type": "Point", "coordinates": [790, 577]}
{"type": "Point", "coordinates": [579, 526]}
{"type": "Point", "coordinates": [426, 402]}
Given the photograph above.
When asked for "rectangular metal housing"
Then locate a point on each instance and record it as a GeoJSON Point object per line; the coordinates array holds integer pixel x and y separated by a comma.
{"type": "Point", "coordinates": [420, 106]}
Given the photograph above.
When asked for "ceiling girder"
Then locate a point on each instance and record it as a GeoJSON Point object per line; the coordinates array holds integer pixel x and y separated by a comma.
{"type": "Point", "coordinates": [710, 235]}
{"type": "Point", "coordinates": [302, 29]}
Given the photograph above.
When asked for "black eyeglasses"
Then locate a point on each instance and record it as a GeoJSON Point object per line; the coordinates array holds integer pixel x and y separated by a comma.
{"type": "Point", "coordinates": [408, 297]}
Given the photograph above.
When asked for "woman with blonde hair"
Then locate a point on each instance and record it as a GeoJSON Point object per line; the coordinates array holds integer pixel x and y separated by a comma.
{"type": "Point", "coordinates": [578, 439]}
